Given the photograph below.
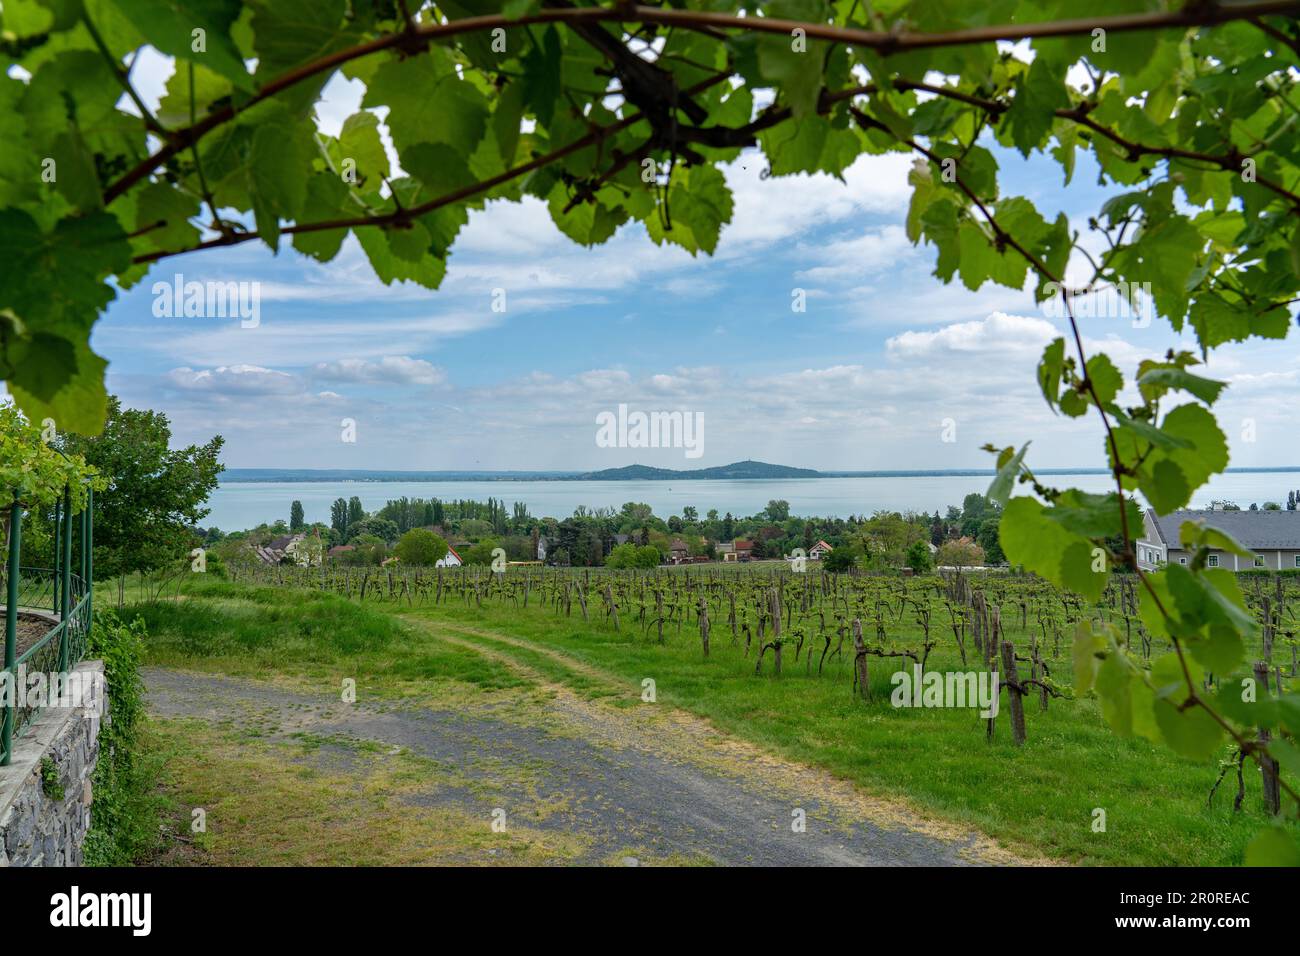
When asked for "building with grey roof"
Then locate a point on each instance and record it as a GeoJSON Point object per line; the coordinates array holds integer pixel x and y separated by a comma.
{"type": "Point", "coordinates": [1274, 536]}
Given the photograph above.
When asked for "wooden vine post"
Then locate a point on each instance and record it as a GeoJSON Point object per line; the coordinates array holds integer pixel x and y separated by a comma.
{"type": "Point", "coordinates": [776, 631]}
{"type": "Point", "coordinates": [1015, 705]}
{"type": "Point", "coordinates": [1267, 764]}
{"type": "Point", "coordinates": [704, 625]}
{"type": "Point", "coordinates": [860, 676]}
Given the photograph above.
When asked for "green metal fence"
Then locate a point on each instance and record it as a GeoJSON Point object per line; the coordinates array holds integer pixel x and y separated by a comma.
{"type": "Point", "coordinates": [61, 596]}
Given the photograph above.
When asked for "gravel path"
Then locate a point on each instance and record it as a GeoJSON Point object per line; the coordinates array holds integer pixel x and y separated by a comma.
{"type": "Point", "coordinates": [640, 784]}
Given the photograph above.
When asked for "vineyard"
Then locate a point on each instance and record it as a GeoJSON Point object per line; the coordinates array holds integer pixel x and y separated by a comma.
{"type": "Point", "coordinates": [806, 662]}
{"type": "Point", "coordinates": [832, 616]}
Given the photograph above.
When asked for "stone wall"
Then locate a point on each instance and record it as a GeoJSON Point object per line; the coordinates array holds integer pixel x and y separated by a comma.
{"type": "Point", "coordinates": [37, 827]}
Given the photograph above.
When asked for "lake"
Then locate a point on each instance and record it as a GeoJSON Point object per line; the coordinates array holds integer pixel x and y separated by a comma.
{"type": "Point", "coordinates": [239, 505]}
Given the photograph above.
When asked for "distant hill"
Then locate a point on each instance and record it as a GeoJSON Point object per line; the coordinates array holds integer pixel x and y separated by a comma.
{"type": "Point", "coordinates": [736, 470]}
{"type": "Point", "coordinates": [740, 469]}
{"type": "Point", "coordinates": [238, 475]}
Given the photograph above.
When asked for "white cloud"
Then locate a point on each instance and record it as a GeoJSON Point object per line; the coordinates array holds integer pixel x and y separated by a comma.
{"type": "Point", "coordinates": [389, 370]}
{"type": "Point", "coordinates": [1000, 334]}
{"type": "Point", "coordinates": [874, 251]}
{"type": "Point", "coordinates": [775, 209]}
{"type": "Point", "coordinates": [235, 380]}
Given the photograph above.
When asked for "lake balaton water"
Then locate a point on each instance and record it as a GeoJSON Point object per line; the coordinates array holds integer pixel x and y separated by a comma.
{"type": "Point", "coordinates": [239, 505]}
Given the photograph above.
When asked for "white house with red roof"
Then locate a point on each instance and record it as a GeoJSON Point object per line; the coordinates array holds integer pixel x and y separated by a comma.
{"type": "Point", "coordinates": [450, 560]}
{"type": "Point", "coordinates": [819, 550]}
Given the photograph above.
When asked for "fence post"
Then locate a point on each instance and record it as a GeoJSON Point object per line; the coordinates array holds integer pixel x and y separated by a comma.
{"type": "Point", "coordinates": [83, 526]}
{"type": "Point", "coordinates": [90, 562]}
{"type": "Point", "coordinates": [1014, 704]}
{"type": "Point", "coordinates": [66, 568]}
{"type": "Point", "coordinates": [1268, 766]}
{"type": "Point", "coordinates": [11, 625]}
{"type": "Point", "coordinates": [57, 552]}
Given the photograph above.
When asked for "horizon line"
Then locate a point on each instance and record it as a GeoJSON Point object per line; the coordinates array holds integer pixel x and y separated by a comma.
{"type": "Point", "coordinates": [685, 473]}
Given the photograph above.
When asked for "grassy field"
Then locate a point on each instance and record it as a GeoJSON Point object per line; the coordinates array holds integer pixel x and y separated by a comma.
{"type": "Point", "coordinates": [1041, 797]}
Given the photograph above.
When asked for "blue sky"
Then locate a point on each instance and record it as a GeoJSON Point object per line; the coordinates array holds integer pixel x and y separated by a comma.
{"type": "Point", "coordinates": [885, 362]}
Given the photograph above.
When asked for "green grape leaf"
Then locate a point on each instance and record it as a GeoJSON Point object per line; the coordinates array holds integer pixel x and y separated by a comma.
{"type": "Point", "coordinates": [1000, 490]}
{"type": "Point", "coordinates": [1038, 93]}
{"type": "Point", "coordinates": [1105, 378]}
{"type": "Point", "coordinates": [428, 103]}
{"type": "Point", "coordinates": [1050, 369]}
{"type": "Point", "coordinates": [1273, 846]}
{"type": "Point", "coordinates": [1031, 538]}
{"type": "Point", "coordinates": [1191, 732]}
{"type": "Point", "coordinates": [1170, 377]}
{"type": "Point", "coordinates": [195, 30]}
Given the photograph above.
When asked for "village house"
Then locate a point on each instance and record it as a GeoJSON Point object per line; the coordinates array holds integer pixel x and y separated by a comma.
{"type": "Point", "coordinates": [450, 560]}
{"type": "Point", "coordinates": [1274, 536]}
{"type": "Point", "coordinates": [285, 546]}
{"type": "Point", "coordinates": [677, 551]}
{"type": "Point", "coordinates": [738, 550]}
{"type": "Point", "coordinates": [819, 550]}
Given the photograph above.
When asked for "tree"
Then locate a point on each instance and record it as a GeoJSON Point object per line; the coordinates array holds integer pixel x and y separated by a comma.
{"type": "Point", "coordinates": [481, 553]}
{"type": "Point", "coordinates": [356, 512]}
{"type": "Point", "coordinates": [367, 550]}
{"type": "Point", "coordinates": [420, 547]}
{"type": "Point", "coordinates": [339, 519]}
{"type": "Point", "coordinates": [309, 552]}
{"type": "Point", "coordinates": [648, 556]}
{"type": "Point", "coordinates": [937, 530]}
{"type": "Point", "coordinates": [841, 558]}
{"type": "Point", "coordinates": [155, 494]}
{"type": "Point", "coordinates": [295, 516]}
{"type": "Point", "coordinates": [960, 553]}
{"type": "Point", "coordinates": [634, 556]}
{"type": "Point", "coordinates": [918, 557]}
{"type": "Point", "coordinates": [888, 536]}
{"type": "Point", "coordinates": [381, 528]}
{"type": "Point", "coordinates": [987, 538]}
{"type": "Point", "coordinates": [777, 510]}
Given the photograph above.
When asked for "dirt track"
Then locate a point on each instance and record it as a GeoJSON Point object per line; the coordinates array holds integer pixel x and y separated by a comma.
{"type": "Point", "coordinates": [640, 784]}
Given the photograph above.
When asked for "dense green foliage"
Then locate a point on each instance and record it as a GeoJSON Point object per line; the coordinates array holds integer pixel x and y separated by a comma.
{"type": "Point", "coordinates": [154, 495]}
{"type": "Point", "coordinates": [124, 815]}
{"type": "Point", "coordinates": [420, 547]}
{"type": "Point", "coordinates": [32, 470]}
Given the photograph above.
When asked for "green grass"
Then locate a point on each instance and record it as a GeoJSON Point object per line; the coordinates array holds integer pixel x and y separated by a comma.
{"type": "Point", "coordinates": [256, 631]}
{"type": "Point", "coordinates": [1039, 798]}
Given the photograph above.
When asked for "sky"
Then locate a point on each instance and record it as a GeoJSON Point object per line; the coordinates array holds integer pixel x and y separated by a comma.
{"type": "Point", "coordinates": [888, 368]}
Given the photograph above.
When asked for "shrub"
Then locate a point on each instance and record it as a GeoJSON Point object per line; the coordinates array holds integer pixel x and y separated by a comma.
{"type": "Point", "coordinates": [841, 558]}
{"type": "Point", "coordinates": [124, 815]}
{"type": "Point", "coordinates": [918, 557]}
{"type": "Point", "coordinates": [420, 546]}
